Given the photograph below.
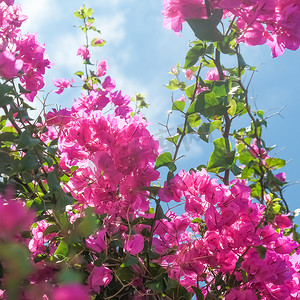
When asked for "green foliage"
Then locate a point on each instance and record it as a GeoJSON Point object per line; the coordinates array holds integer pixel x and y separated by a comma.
{"type": "Point", "coordinates": [206, 29]}
{"type": "Point", "coordinates": [222, 157]}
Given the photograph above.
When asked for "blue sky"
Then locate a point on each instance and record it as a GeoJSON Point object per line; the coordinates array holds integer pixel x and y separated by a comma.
{"type": "Point", "coordinates": [140, 53]}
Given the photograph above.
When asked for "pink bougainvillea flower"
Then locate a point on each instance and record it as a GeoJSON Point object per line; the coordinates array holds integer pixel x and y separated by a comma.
{"type": "Point", "coordinates": [102, 68]}
{"type": "Point", "coordinates": [70, 292]}
{"type": "Point", "coordinates": [97, 241]}
{"type": "Point", "coordinates": [83, 52]}
{"type": "Point", "coordinates": [135, 244]}
{"type": "Point", "coordinates": [189, 74]}
{"type": "Point", "coordinates": [281, 176]}
{"type": "Point", "coordinates": [283, 221]}
{"type": "Point", "coordinates": [9, 65]}
{"type": "Point", "coordinates": [98, 41]}
{"type": "Point", "coordinates": [176, 12]}
{"type": "Point", "coordinates": [100, 276]}
{"type": "Point", "coordinates": [213, 74]}
{"type": "Point", "coordinates": [62, 84]}
{"type": "Point", "coordinates": [14, 218]}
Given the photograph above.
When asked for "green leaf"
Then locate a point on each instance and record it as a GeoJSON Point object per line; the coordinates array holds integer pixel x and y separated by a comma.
{"type": "Point", "coordinates": [241, 61]}
{"type": "Point", "coordinates": [222, 157]}
{"type": "Point", "coordinates": [232, 107]}
{"type": "Point", "coordinates": [53, 182]}
{"type": "Point", "coordinates": [206, 29]}
{"type": "Point", "coordinates": [160, 213]}
{"type": "Point", "coordinates": [220, 88]}
{"type": "Point", "coordinates": [165, 159]}
{"type": "Point", "coordinates": [88, 225]}
{"type": "Point", "coordinates": [158, 284]}
{"type": "Point", "coordinates": [216, 124]}
{"type": "Point", "coordinates": [208, 105]}
{"type": "Point", "coordinates": [275, 163]}
{"type": "Point", "coordinates": [62, 249]}
{"type": "Point", "coordinates": [79, 73]}
{"type": "Point", "coordinates": [207, 128]}
{"type": "Point", "coordinates": [29, 162]}
{"type": "Point", "coordinates": [22, 90]}
{"type": "Point", "coordinates": [129, 261]}
{"type": "Point", "coordinates": [203, 131]}
{"type": "Point", "coordinates": [5, 100]}
{"type": "Point", "coordinates": [69, 276]}
{"type": "Point", "coordinates": [174, 84]}
{"type": "Point", "coordinates": [178, 105]}
{"type": "Point", "coordinates": [51, 229]}
{"type": "Point", "coordinates": [173, 139]}
{"type": "Point", "coordinates": [125, 274]}
{"type": "Point", "coordinates": [190, 90]}
{"type": "Point", "coordinates": [198, 293]}
{"type": "Point", "coordinates": [194, 120]}
{"type": "Point", "coordinates": [193, 55]}
{"type": "Point", "coordinates": [261, 251]}
{"type": "Point", "coordinates": [26, 140]}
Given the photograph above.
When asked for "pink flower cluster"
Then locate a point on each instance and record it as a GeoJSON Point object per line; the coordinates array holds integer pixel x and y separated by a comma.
{"type": "Point", "coordinates": [275, 22]}
{"type": "Point", "coordinates": [20, 54]}
{"type": "Point", "coordinates": [114, 153]}
{"type": "Point", "coordinates": [230, 242]}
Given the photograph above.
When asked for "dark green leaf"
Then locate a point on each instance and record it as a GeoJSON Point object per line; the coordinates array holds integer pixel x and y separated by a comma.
{"type": "Point", "coordinates": [222, 157]}
{"type": "Point", "coordinates": [165, 159]}
{"type": "Point", "coordinates": [158, 284]}
{"type": "Point", "coordinates": [51, 229]}
{"type": "Point", "coordinates": [29, 162]}
{"type": "Point", "coordinates": [129, 261]}
{"type": "Point", "coordinates": [125, 274]}
{"type": "Point", "coordinates": [198, 293]}
{"type": "Point", "coordinates": [26, 140]}
{"type": "Point", "coordinates": [261, 251]}
{"type": "Point", "coordinates": [193, 55]}
{"type": "Point", "coordinates": [203, 131]}
{"type": "Point", "coordinates": [206, 29]}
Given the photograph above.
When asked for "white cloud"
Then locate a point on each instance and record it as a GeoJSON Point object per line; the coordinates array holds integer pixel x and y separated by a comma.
{"type": "Point", "coordinates": [112, 27]}
{"type": "Point", "coordinates": [39, 12]}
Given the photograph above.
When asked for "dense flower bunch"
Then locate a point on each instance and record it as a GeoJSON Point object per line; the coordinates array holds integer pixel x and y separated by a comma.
{"type": "Point", "coordinates": [114, 153]}
{"type": "Point", "coordinates": [232, 240]}
{"type": "Point", "coordinates": [20, 54]}
{"type": "Point", "coordinates": [275, 22]}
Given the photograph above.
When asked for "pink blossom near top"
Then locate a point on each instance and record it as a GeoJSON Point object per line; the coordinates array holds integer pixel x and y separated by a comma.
{"type": "Point", "coordinates": [134, 244]}
{"type": "Point", "coordinates": [189, 74]}
{"type": "Point", "coordinates": [9, 65]}
{"type": "Point", "coordinates": [83, 52]}
{"type": "Point", "coordinates": [70, 292]}
{"type": "Point", "coordinates": [62, 84]}
{"type": "Point", "coordinates": [273, 22]}
{"type": "Point", "coordinates": [176, 11]}
{"type": "Point", "coordinates": [213, 74]}
{"type": "Point", "coordinates": [99, 276]}
{"type": "Point", "coordinates": [102, 68]}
